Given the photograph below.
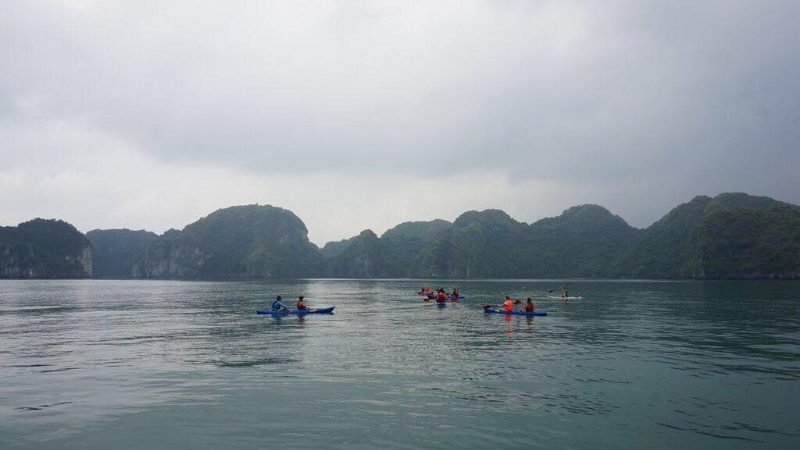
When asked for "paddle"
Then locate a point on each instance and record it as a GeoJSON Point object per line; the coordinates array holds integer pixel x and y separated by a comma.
{"type": "Point", "coordinates": [559, 289]}
{"type": "Point", "coordinates": [516, 302]}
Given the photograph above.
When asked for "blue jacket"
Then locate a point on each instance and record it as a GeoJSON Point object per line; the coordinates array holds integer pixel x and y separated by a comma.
{"type": "Point", "coordinates": [277, 305]}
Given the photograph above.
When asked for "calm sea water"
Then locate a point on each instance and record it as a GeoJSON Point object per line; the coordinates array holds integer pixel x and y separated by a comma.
{"type": "Point", "coordinates": [150, 364]}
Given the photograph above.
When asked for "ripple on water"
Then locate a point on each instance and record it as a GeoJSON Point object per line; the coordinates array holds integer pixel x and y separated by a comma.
{"type": "Point", "coordinates": [651, 364]}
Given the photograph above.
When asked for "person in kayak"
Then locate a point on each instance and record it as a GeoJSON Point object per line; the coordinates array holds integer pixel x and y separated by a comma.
{"type": "Point", "coordinates": [529, 307]}
{"type": "Point", "coordinates": [278, 305]}
{"type": "Point", "coordinates": [564, 293]}
{"type": "Point", "coordinates": [508, 304]}
{"type": "Point", "coordinates": [300, 304]}
{"type": "Point", "coordinates": [455, 293]}
{"type": "Point", "coordinates": [441, 297]}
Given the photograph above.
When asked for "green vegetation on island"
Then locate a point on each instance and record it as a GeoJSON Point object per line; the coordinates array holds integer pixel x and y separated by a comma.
{"type": "Point", "coordinates": [364, 257]}
{"type": "Point", "coordinates": [730, 236]}
{"type": "Point", "coordinates": [44, 249]}
{"type": "Point", "coordinates": [490, 244]}
{"type": "Point", "coordinates": [390, 256]}
{"type": "Point", "coordinates": [239, 242]}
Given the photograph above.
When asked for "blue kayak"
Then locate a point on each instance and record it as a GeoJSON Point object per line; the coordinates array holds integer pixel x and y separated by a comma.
{"type": "Point", "coordinates": [515, 312]}
{"type": "Point", "coordinates": [299, 312]}
{"type": "Point", "coordinates": [441, 304]}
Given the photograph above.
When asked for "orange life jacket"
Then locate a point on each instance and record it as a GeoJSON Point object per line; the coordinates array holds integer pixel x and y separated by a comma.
{"type": "Point", "coordinates": [508, 305]}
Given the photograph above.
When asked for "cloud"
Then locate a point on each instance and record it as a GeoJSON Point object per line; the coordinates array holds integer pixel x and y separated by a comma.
{"type": "Point", "coordinates": [149, 112]}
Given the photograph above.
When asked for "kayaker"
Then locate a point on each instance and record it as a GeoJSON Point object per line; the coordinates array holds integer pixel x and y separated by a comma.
{"type": "Point", "coordinates": [455, 293]}
{"type": "Point", "coordinates": [441, 296]}
{"type": "Point", "coordinates": [508, 304]}
{"type": "Point", "coordinates": [564, 292]}
{"type": "Point", "coordinates": [278, 305]}
{"type": "Point", "coordinates": [529, 307]}
{"type": "Point", "coordinates": [300, 304]}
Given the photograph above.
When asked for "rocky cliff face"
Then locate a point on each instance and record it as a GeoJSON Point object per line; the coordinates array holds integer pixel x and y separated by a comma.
{"type": "Point", "coordinates": [116, 253]}
{"type": "Point", "coordinates": [251, 241]}
{"type": "Point", "coordinates": [84, 261]}
{"type": "Point", "coordinates": [172, 259]}
{"type": "Point", "coordinates": [44, 249]}
{"type": "Point", "coordinates": [16, 261]}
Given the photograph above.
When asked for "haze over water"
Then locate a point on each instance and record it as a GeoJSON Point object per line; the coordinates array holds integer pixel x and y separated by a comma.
{"type": "Point", "coordinates": [163, 364]}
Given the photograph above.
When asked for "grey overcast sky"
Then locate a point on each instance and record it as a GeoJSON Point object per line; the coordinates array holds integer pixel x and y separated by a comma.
{"type": "Point", "coordinates": [354, 115]}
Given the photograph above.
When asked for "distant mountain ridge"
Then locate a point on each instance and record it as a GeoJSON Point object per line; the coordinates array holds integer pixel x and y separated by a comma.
{"type": "Point", "coordinates": [116, 253]}
{"type": "Point", "coordinates": [490, 244]}
{"type": "Point", "coordinates": [44, 249]}
{"type": "Point", "coordinates": [390, 256]}
{"type": "Point", "coordinates": [730, 236]}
